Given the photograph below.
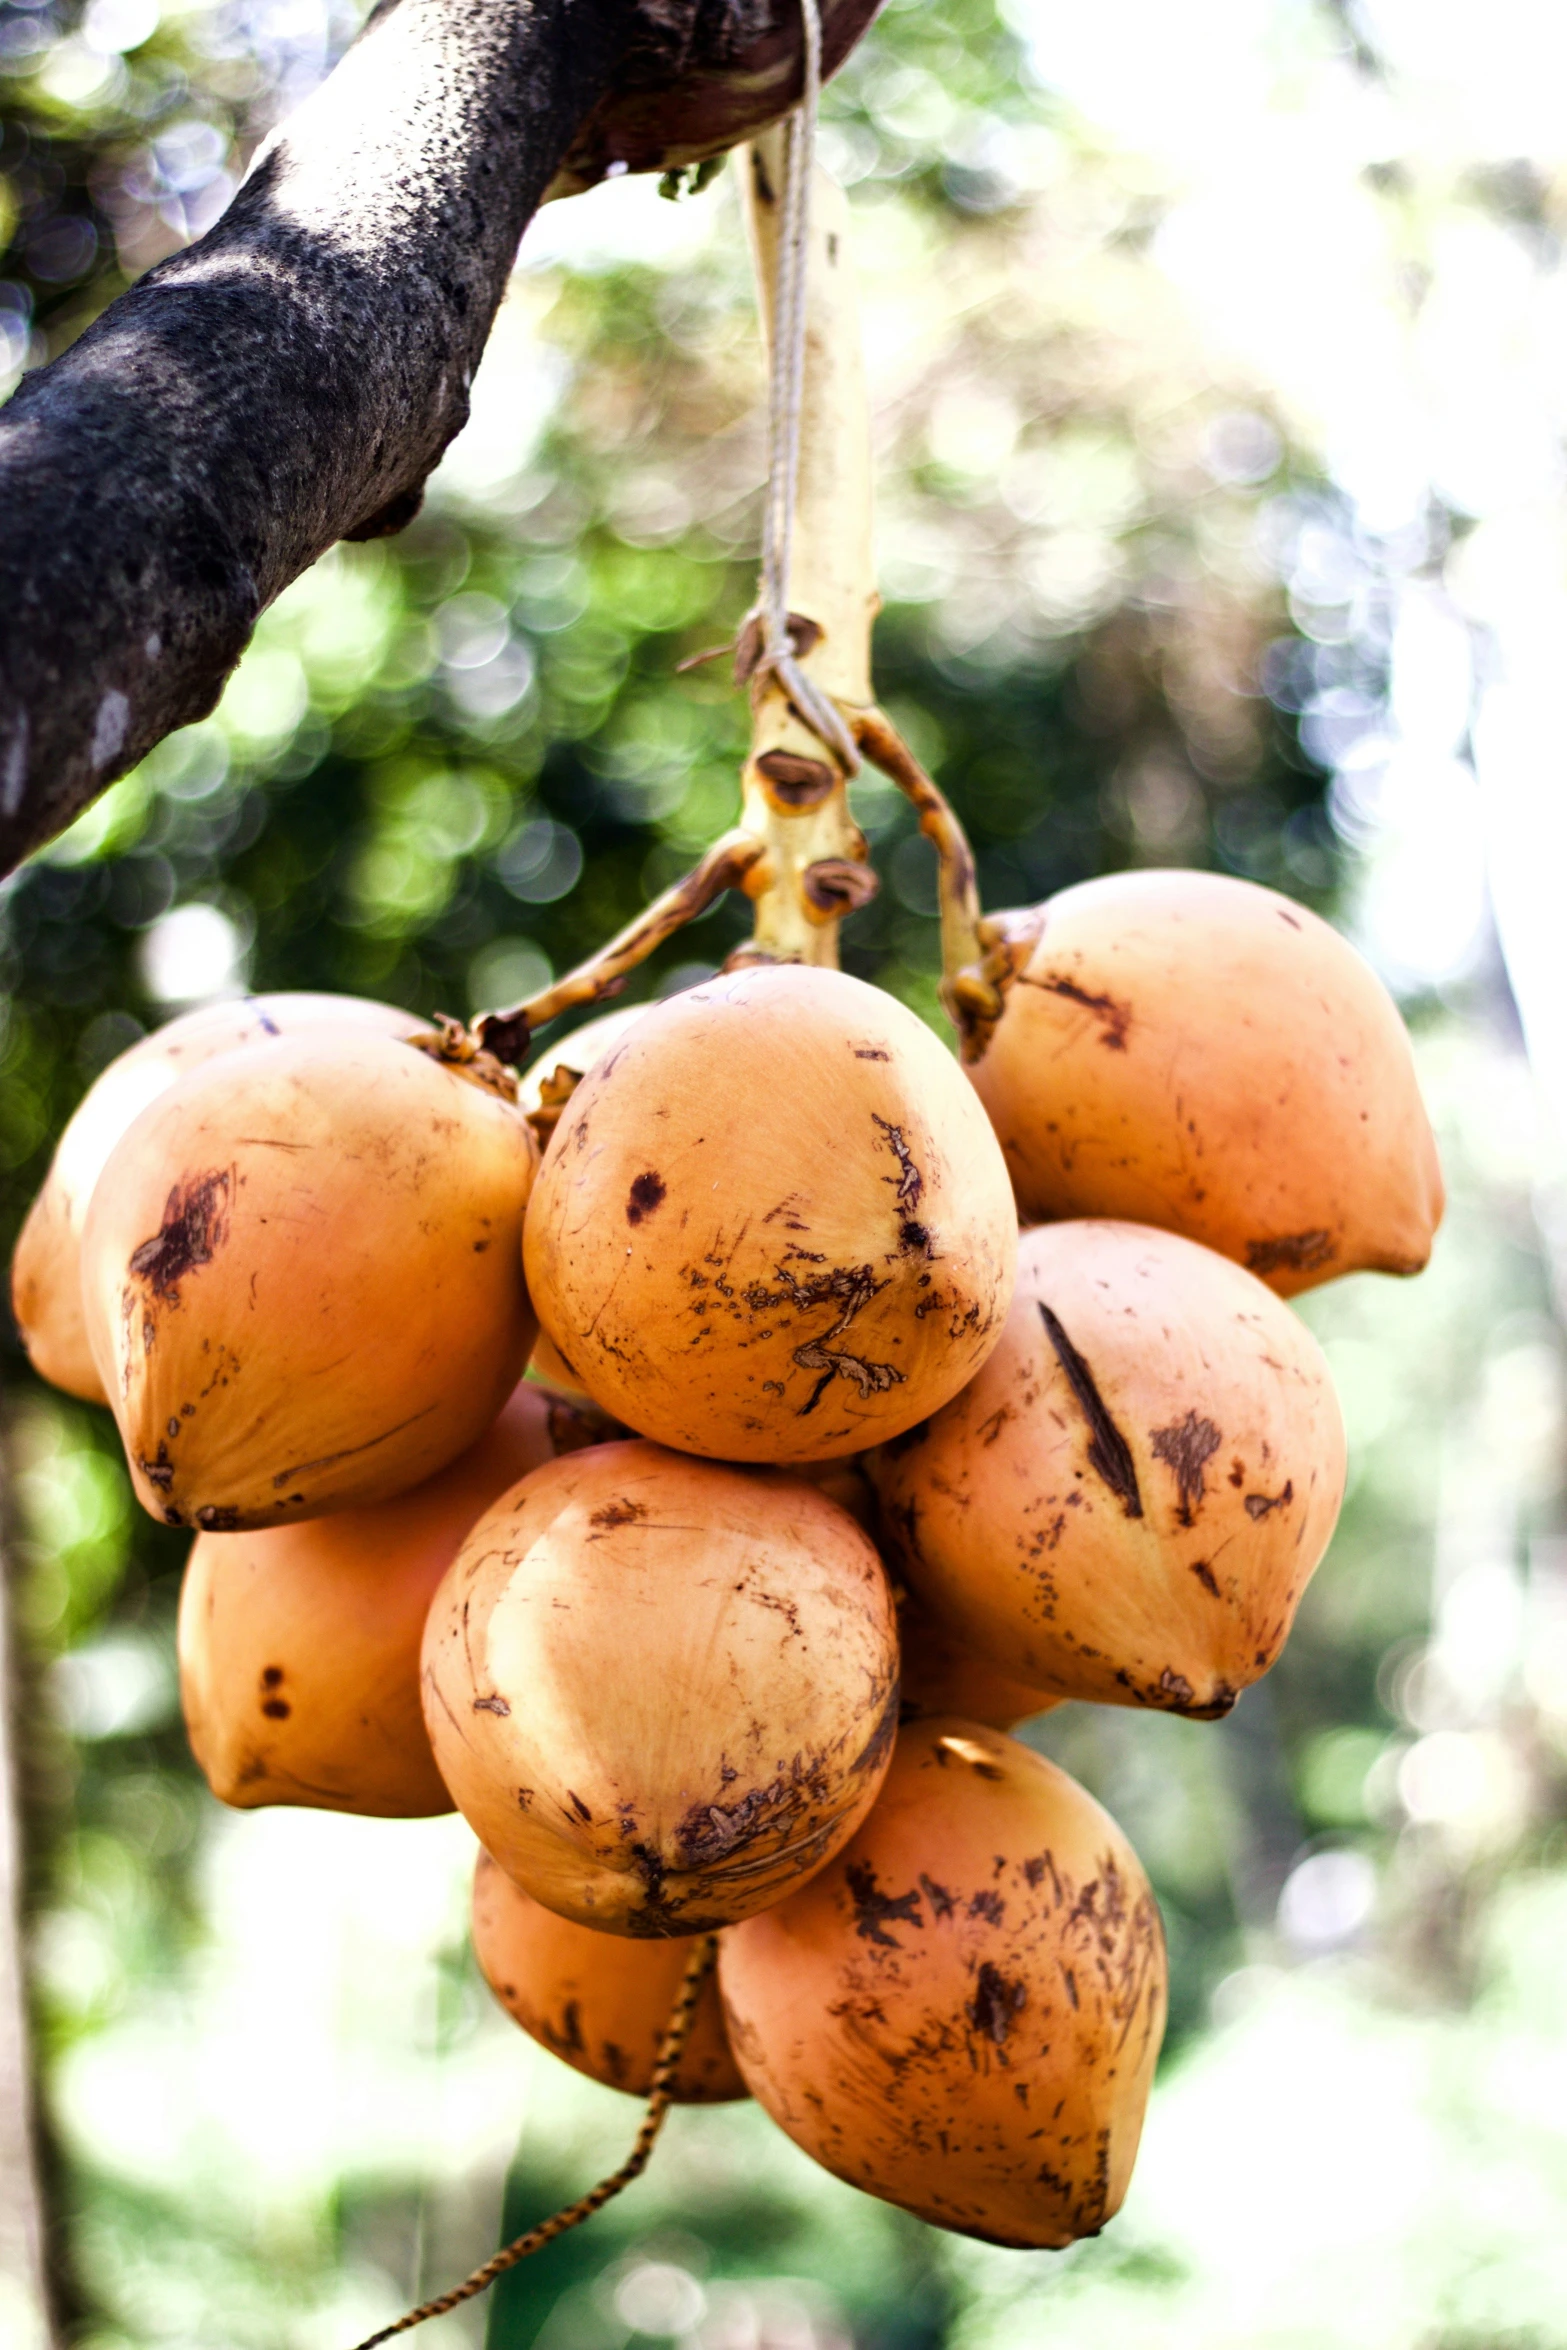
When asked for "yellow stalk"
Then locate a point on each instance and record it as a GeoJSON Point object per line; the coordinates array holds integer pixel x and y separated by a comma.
{"type": "Point", "coordinates": [795, 796]}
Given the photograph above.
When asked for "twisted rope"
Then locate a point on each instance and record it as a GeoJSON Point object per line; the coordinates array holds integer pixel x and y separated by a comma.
{"type": "Point", "coordinates": [785, 397]}
{"type": "Point", "coordinates": [676, 2034]}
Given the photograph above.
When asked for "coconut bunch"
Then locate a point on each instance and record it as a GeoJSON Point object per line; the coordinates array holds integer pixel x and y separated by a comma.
{"type": "Point", "coordinates": [880, 1398]}
{"type": "Point", "coordinates": [838, 1475]}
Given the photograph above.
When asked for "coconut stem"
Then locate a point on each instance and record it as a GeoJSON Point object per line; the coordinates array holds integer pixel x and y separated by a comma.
{"type": "Point", "coordinates": [975, 959]}
{"type": "Point", "coordinates": [677, 2031]}
{"type": "Point", "coordinates": [726, 864]}
{"type": "Point", "coordinates": [798, 852]}
{"type": "Point", "coordinates": [794, 785]}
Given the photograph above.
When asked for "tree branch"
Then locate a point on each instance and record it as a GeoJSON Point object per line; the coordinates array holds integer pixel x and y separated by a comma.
{"type": "Point", "coordinates": [287, 381]}
{"type": "Point", "coordinates": [293, 377]}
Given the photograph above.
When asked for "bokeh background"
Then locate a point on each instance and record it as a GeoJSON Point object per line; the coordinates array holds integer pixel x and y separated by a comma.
{"type": "Point", "coordinates": [1219, 359]}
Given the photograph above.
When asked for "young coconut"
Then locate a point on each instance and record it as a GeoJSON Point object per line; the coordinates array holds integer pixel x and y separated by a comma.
{"type": "Point", "coordinates": [661, 1691]}
{"type": "Point", "coordinates": [940, 1676]}
{"type": "Point", "coordinates": [301, 1275]}
{"type": "Point", "coordinates": [1128, 1501]}
{"type": "Point", "coordinates": [46, 1271]}
{"type": "Point", "coordinates": [597, 2000]}
{"type": "Point", "coordinates": [1190, 1050]}
{"type": "Point", "coordinates": [773, 1224]}
{"type": "Point", "coordinates": [961, 2013]}
{"type": "Point", "coordinates": [299, 1645]}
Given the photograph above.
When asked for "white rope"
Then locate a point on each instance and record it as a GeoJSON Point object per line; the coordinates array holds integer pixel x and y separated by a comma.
{"type": "Point", "coordinates": [784, 401]}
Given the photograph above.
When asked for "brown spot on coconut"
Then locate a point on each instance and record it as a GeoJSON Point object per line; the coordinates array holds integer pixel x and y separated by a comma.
{"type": "Point", "coordinates": [598, 2001]}
{"type": "Point", "coordinates": [46, 1271]}
{"type": "Point", "coordinates": [280, 1262]}
{"type": "Point", "coordinates": [779, 1301]}
{"type": "Point", "coordinates": [1258, 1093]}
{"type": "Point", "coordinates": [700, 1664]}
{"type": "Point", "coordinates": [299, 1645]}
{"type": "Point", "coordinates": [1007, 1513]}
{"type": "Point", "coordinates": [962, 2012]}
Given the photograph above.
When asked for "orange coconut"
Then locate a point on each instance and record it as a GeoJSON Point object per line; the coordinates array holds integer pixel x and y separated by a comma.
{"type": "Point", "coordinates": [301, 1278]}
{"type": "Point", "coordinates": [46, 1271]}
{"type": "Point", "coordinates": [597, 2000]}
{"type": "Point", "coordinates": [773, 1224]}
{"type": "Point", "coordinates": [662, 1691]}
{"type": "Point", "coordinates": [940, 1676]}
{"type": "Point", "coordinates": [961, 2013]}
{"type": "Point", "coordinates": [1128, 1501]}
{"type": "Point", "coordinates": [299, 1645]}
{"type": "Point", "coordinates": [1189, 1050]}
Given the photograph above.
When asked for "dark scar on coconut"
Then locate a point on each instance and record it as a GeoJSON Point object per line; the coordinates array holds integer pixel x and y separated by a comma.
{"type": "Point", "coordinates": [874, 1910]}
{"type": "Point", "coordinates": [1108, 1450]}
{"type": "Point", "coordinates": [1301, 1252]}
{"type": "Point", "coordinates": [1258, 1505]}
{"type": "Point", "coordinates": [849, 1287]}
{"type": "Point", "coordinates": [647, 1193]}
{"type": "Point", "coordinates": [618, 1513]}
{"type": "Point", "coordinates": [995, 2002]}
{"type": "Point", "coordinates": [910, 1182]}
{"type": "Point", "coordinates": [1115, 1018]}
{"type": "Point", "coordinates": [194, 1228]}
{"type": "Point", "coordinates": [1186, 1447]}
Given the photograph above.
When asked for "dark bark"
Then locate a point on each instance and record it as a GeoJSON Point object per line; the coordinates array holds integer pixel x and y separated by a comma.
{"type": "Point", "coordinates": [287, 381]}
{"type": "Point", "coordinates": [292, 378]}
